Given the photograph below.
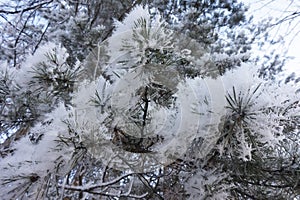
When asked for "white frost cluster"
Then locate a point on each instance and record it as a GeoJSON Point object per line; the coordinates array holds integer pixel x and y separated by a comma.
{"type": "Point", "coordinates": [25, 73]}
{"type": "Point", "coordinates": [137, 33]}
{"type": "Point", "coordinates": [264, 116]}
{"type": "Point", "coordinates": [40, 158]}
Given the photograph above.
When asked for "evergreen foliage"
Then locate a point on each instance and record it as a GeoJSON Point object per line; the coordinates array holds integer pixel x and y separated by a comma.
{"type": "Point", "coordinates": [151, 105]}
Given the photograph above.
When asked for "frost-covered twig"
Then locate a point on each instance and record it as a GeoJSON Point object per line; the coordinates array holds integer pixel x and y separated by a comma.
{"type": "Point", "coordinates": [95, 186]}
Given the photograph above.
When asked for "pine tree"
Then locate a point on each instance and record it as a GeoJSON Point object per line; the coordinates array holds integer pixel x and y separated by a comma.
{"type": "Point", "coordinates": [150, 113]}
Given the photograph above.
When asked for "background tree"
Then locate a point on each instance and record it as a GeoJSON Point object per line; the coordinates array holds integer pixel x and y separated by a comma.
{"type": "Point", "coordinates": [279, 41]}
{"type": "Point", "coordinates": [108, 126]}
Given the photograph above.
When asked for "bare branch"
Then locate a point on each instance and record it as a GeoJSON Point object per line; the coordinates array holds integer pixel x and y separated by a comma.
{"type": "Point", "coordinates": [41, 38]}
{"type": "Point", "coordinates": [94, 186]}
{"type": "Point", "coordinates": [26, 9]}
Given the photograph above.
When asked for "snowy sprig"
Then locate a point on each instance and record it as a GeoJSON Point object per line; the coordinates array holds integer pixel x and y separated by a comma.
{"type": "Point", "coordinates": [137, 33]}
{"type": "Point", "coordinates": [254, 121]}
